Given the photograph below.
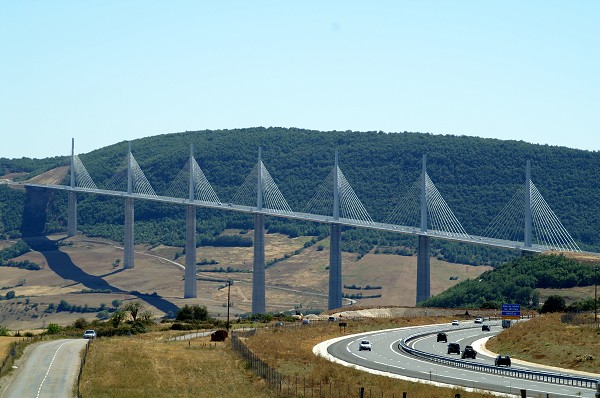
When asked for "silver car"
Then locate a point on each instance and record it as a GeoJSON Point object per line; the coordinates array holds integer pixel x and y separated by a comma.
{"type": "Point", "coordinates": [364, 345]}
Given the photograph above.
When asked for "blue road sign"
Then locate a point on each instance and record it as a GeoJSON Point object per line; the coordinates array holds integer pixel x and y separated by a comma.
{"type": "Point", "coordinates": [511, 309]}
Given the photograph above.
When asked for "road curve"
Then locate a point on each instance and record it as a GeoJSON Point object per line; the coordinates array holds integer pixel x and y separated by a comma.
{"type": "Point", "coordinates": [386, 359]}
{"type": "Point", "coordinates": [47, 370]}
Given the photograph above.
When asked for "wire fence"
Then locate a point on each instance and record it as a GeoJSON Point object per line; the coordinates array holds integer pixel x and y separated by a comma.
{"type": "Point", "coordinates": [15, 348]}
{"type": "Point", "coordinates": [83, 359]}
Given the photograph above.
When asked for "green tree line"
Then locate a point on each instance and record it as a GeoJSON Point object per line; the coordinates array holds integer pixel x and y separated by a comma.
{"type": "Point", "coordinates": [476, 177]}
{"type": "Point", "coordinates": [516, 282]}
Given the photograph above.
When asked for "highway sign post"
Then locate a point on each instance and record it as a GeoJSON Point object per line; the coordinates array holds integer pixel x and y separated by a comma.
{"type": "Point", "coordinates": [511, 311]}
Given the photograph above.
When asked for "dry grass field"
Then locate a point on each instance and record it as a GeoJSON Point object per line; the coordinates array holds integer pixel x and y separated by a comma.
{"type": "Point", "coordinates": [149, 366]}
{"type": "Point", "coordinates": [298, 281]}
{"type": "Point", "coordinates": [5, 343]}
{"type": "Point", "coordinates": [548, 341]}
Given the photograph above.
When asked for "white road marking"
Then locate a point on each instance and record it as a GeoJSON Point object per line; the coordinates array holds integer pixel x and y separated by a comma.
{"type": "Point", "coordinates": [48, 371]}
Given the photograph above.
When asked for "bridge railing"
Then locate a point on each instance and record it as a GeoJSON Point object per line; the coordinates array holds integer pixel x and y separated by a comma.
{"type": "Point", "coordinates": [407, 230]}
{"type": "Point", "coordinates": [548, 377]}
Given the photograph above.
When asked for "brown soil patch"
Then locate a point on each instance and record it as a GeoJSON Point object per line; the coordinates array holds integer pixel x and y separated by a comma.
{"type": "Point", "coordinates": [51, 177]}
{"type": "Point", "coordinates": [12, 176]}
{"type": "Point", "coordinates": [584, 258]}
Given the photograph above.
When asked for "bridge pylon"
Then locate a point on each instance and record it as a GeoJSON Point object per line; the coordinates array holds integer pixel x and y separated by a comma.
{"type": "Point", "coordinates": [527, 218]}
{"type": "Point", "coordinates": [128, 258]}
{"type": "Point", "coordinates": [423, 257]}
{"type": "Point", "coordinates": [258, 264]}
{"type": "Point", "coordinates": [527, 236]}
{"type": "Point", "coordinates": [335, 247]}
{"type": "Point", "coordinates": [72, 212]}
{"type": "Point", "coordinates": [190, 283]}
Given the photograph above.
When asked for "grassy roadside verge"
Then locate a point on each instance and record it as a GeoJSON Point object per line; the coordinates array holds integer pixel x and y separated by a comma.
{"type": "Point", "coordinates": [6, 343]}
{"type": "Point", "coordinates": [150, 366]}
{"type": "Point", "coordinates": [548, 341]}
{"type": "Point", "coordinates": [11, 348]}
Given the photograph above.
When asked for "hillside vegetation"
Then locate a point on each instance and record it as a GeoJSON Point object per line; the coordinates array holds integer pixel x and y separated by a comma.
{"type": "Point", "coordinates": [516, 282]}
{"type": "Point", "coordinates": [477, 177]}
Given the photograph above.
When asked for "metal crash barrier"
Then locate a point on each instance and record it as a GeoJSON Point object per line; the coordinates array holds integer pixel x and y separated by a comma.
{"type": "Point", "coordinates": [548, 377]}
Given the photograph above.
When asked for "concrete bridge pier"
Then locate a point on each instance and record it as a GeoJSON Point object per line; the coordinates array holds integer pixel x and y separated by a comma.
{"type": "Point", "coordinates": [335, 268]}
{"type": "Point", "coordinates": [258, 268]}
{"type": "Point", "coordinates": [423, 269]}
{"type": "Point", "coordinates": [72, 215]}
{"type": "Point", "coordinates": [189, 287]}
{"type": "Point", "coordinates": [129, 237]}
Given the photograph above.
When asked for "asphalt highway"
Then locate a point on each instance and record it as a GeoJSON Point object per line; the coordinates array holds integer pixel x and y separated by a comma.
{"type": "Point", "coordinates": [49, 370]}
{"type": "Point", "coordinates": [386, 358]}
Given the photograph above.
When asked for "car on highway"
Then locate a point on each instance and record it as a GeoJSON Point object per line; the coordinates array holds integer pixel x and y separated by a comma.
{"type": "Point", "coordinates": [365, 345]}
{"type": "Point", "coordinates": [453, 348]}
{"type": "Point", "coordinates": [455, 323]}
{"type": "Point", "coordinates": [306, 321]}
{"type": "Point", "coordinates": [502, 360]}
{"type": "Point", "coordinates": [89, 334]}
{"type": "Point", "coordinates": [279, 323]}
{"type": "Point", "coordinates": [469, 352]}
{"type": "Point", "coordinates": [479, 320]}
{"type": "Point", "coordinates": [441, 336]}
{"type": "Point", "coordinates": [485, 328]}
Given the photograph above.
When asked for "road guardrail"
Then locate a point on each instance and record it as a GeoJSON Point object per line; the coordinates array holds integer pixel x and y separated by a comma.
{"type": "Point", "coordinates": [548, 377]}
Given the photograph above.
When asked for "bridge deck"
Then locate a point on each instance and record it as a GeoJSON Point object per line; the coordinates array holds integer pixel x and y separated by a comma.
{"type": "Point", "coordinates": [407, 230]}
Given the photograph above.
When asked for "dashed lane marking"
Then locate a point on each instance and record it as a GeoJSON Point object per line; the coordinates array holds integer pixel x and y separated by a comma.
{"type": "Point", "coordinates": [48, 371]}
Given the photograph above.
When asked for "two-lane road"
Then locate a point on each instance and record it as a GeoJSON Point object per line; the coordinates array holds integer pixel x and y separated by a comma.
{"type": "Point", "coordinates": [47, 370]}
{"type": "Point", "coordinates": [386, 358]}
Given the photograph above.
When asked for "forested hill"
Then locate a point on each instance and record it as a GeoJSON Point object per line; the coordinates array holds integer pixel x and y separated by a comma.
{"type": "Point", "coordinates": [516, 282]}
{"type": "Point", "coordinates": [476, 176]}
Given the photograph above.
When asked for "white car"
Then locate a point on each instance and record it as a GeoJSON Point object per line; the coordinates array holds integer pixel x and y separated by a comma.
{"type": "Point", "coordinates": [479, 320]}
{"type": "Point", "coordinates": [364, 345]}
{"type": "Point", "coordinates": [89, 334]}
{"type": "Point", "coordinates": [455, 323]}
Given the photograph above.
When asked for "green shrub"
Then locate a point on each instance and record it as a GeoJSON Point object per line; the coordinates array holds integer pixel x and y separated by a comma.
{"type": "Point", "coordinates": [189, 313]}
{"type": "Point", "coordinates": [103, 315]}
{"type": "Point", "coordinates": [182, 326]}
{"type": "Point", "coordinates": [554, 303]}
{"type": "Point", "coordinates": [53, 328]}
{"type": "Point", "coordinates": [80, 323]}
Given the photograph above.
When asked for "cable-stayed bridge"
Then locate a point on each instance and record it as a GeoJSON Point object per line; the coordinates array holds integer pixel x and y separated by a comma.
{"type": "Point", "coordinates": [526, 223]}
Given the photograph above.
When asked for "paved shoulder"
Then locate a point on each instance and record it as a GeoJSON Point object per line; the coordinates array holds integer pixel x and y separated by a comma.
{"type": "Point", "coordinates": [47, 370]}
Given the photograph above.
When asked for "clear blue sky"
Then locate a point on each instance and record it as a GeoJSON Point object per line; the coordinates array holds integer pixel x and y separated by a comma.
{"type": "Point", "coordinates": [107, 71]}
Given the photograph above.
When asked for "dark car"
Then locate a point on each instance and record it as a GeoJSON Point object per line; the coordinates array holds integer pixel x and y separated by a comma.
{"type": "Point", "coordinates": [469, 352]}
{"type": "Point", "coordinates": [442, 337]}
{"type": "Point", "coordinates": [453, 348]}
{"type": "Point", "coordinates": [485, 328]}
{"type": "Point", "coordinates": [502, 360]}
